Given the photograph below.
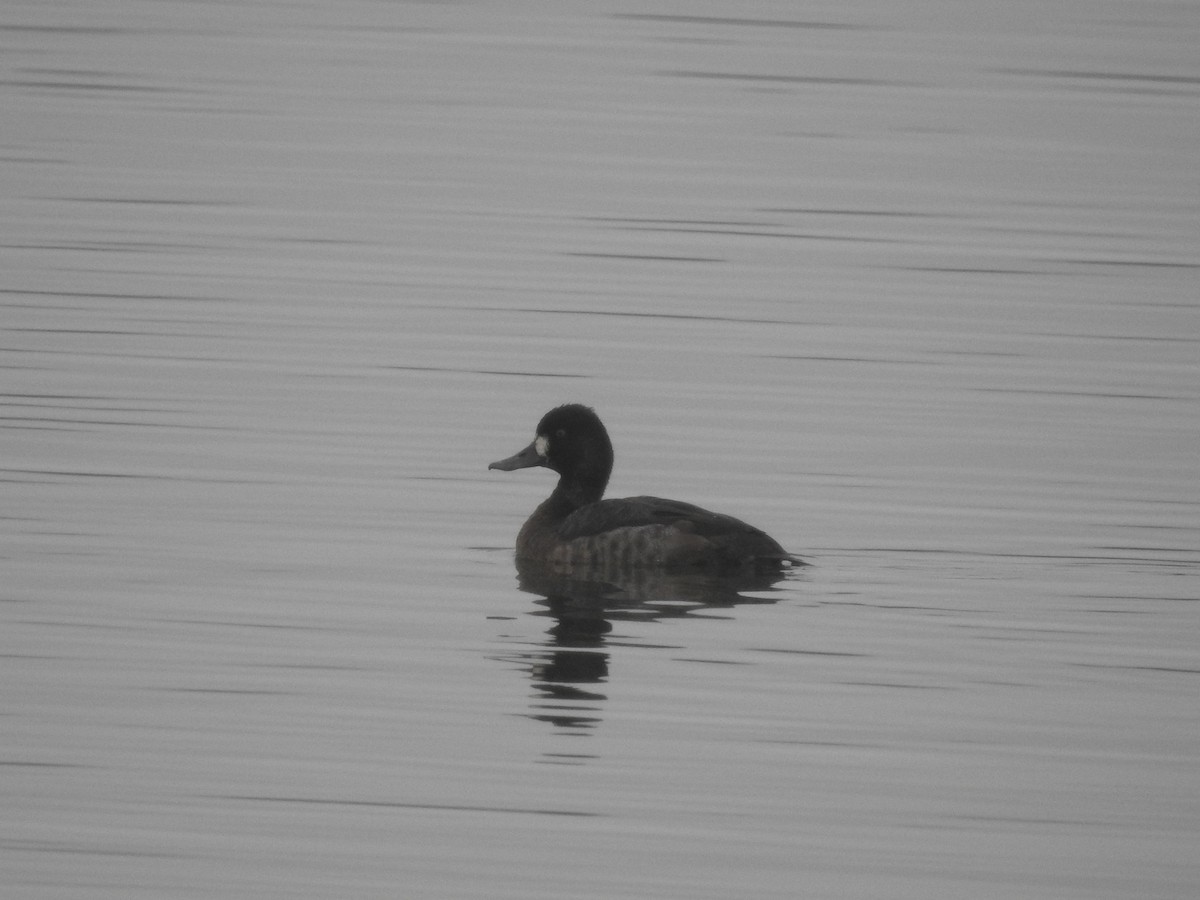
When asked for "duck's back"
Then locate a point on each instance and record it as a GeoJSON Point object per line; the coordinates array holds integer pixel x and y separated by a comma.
{"type": "Point", "coordinates": [652, 531]}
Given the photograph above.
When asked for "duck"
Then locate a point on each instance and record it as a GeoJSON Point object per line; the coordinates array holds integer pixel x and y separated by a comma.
{"type": "Point", "coordinates": [576, 529]}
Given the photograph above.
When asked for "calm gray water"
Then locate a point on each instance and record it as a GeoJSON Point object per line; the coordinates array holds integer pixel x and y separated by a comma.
{"type": "Point", "coordinates": [913, 287]}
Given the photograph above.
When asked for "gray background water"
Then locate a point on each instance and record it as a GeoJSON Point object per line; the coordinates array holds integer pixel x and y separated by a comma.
{"type": "Point", "coordinates": [912, 286]}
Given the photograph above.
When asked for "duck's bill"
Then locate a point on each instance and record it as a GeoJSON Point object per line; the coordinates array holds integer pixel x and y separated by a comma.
{"type": "Point", "coordinates": [525, 459]}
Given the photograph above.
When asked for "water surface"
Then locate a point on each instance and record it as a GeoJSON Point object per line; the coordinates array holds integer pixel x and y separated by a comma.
{"type": "Point", "coordinates": [913, 289]}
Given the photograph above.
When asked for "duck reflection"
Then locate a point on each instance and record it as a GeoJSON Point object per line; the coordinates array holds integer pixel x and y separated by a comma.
{"type": "Point", "coordinates": [585, 604]}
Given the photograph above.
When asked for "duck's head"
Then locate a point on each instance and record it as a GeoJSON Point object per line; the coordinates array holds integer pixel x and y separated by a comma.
{"type": "Point", "coordinates": [572, 441]}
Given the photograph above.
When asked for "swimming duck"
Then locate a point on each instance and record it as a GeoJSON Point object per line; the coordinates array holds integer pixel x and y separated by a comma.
{"type": "Point", "coordinates": [575, 529]}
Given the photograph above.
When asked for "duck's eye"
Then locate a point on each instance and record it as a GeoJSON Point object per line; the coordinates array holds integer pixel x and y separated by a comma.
{"type": "Point", "coordinates": [561, 433]}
